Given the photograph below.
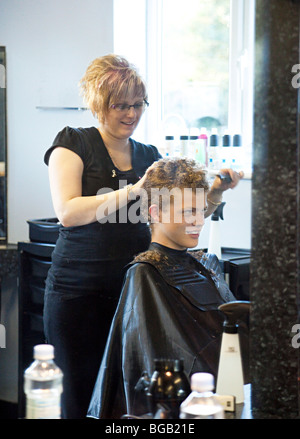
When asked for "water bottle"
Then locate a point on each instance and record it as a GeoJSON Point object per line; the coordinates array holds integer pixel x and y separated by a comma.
{"type": "Point", "coordinates": [169, 386]}
{"type": "Point", "coordinates": [43, 385]}
{"type": "Point", "coordinates": [201, 403]}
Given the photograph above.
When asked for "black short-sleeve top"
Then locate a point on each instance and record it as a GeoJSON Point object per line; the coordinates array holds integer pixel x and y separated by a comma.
{"type": "Point", "coordinates": [111, 240]}
{"type": "Point", "coordinates": [99, 169]}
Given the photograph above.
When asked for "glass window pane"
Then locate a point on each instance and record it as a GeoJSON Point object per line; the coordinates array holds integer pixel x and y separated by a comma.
{"type": "Point", "coordinates": [195, 64]}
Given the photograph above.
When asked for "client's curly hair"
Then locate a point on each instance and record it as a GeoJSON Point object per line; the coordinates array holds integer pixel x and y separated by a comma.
{"type": "Point", "coordinates": [172, 173]}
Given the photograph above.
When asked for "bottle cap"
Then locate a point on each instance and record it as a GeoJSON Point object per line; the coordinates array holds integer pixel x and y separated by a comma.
{"type": "Point", "coordinates": [237, 140]}
{"type": "Point", "coordinates": [203, 133]}
{"type": "Point", "coordinates": [214, 141]}
{"type": "Point", "coordinates": [169, 137]}
{"type": "Point", "coordinates": [202, 381]}
{"type": "Point", "coordinates": [226, 140]}
{"type": "Point", "coordinates": [43, 352]}
{"type": "Point", "coordinates": [178, 365]}
{"type": "Point", "coordinates": [163, 364]}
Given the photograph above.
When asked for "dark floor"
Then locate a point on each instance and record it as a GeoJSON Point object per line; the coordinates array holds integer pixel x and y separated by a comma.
{"type": "Point", "coordinates": [8, 410]}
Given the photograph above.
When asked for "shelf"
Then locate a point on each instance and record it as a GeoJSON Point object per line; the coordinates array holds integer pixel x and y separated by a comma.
{"type": "Point", "coordinates": [61, 108]}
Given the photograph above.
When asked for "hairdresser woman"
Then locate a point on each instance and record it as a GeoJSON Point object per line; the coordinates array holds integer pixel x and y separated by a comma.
{"type": "Point", "coordinates": [85, 278]}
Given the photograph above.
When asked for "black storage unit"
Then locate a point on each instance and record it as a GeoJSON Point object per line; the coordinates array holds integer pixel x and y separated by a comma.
{"type": "Point", "coordinates": [44, 230]}
{"type": "Point", "coordinates": [34, 261]}
{"type": "Point", "coordinates": [235, 264]}
{"type": "Point", "coordinates": [236, 267]}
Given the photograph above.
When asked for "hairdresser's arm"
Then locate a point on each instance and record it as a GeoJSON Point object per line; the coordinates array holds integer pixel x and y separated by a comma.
{"type": "Point", "coordinates": [71, 208]}
{"type": "Point", "coordinates": [214, 196]}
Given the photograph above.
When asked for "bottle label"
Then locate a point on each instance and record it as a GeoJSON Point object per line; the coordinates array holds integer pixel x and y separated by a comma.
{"type": "Point", "coordinates": [202, 411]}
{"type": "Point", "coordinates": [39, 408]}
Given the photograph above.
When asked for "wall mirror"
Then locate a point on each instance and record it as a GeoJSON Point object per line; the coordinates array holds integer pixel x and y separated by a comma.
{"type": "Point", "coordinates": [3, 198]}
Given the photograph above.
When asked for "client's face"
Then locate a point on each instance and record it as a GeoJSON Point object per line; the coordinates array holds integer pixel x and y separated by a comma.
{"type": "Point", "coordinates": [178, 225]}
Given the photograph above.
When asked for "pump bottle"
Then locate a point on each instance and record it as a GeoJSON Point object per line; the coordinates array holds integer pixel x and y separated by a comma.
{"type": "Point", "coordinates": [230, 380]}
{"type": "Point", "coordinates": [214, 243]}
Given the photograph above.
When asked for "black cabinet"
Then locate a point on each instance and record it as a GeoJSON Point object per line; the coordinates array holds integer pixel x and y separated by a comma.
{"type": "Point", "coordinates": [34, 260]}
{"type": "Point", "coordinates": [236, 268]}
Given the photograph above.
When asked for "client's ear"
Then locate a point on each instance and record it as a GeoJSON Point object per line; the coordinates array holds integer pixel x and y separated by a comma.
{"type": "Point", "coordinates": [154, 213]}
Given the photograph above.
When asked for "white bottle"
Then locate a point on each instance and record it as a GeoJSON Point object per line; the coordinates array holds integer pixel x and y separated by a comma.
{"type": "Point", "coordinates": [214, 241]}
{"type": "Point", "coordinates": [201, 403]}
{"type": "Point", "coordinates": [193, 145]}
{"type": "Point", "coordinates": [230, 373]}
{"type": "Point", "coordinates": [43, 385]}
{"type": "Point", "coordinates": [202, 148]}
{"type": "Point", "coordinates": [169, 146]}
{"type": "Point", "coordinates": [230, 379]}
{"type": "Point", "coordinates": [226, 152]}
{"type": "Point", "coordinates": [237, 153]}
{"type": "Point", "coordinates": [214, 153]}
{"type": "Point", "coordinates": [184, 146]}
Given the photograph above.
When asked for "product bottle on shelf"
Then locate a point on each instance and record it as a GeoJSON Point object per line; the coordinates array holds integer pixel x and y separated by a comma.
{"type": "Point", "coordinates": [213, 154]}
{"type": "Point", "coordinates": [201, 403]}
{"type": "Point", "coordinates": [226, 152]}
{"type": "Point", "coordinates": [202, 146]}
{"type": "Point", "coordinates": [184, 146]}
{"type": "Point", "coordinates": [43, 385]}
{"type": "Point", "coordinates": [214, 241]}
{"type": "Point", "coordinates": [193, 145]}
{"type": "Point", "coordinates": [169, 146]}
{"type": "Point", "coordinates": [237, 153]}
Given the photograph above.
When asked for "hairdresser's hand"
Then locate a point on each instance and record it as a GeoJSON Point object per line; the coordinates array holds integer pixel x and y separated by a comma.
{"type": "Point", "coordinates": [137, 186]}
{"type": "Point", "coordinates": [214, 196]}
{"type": "Point", "coordinates": [230, 180]}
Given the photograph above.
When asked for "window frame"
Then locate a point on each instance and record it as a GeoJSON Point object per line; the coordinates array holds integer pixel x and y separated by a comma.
{"type": "Point", "coordinates": [145, 26]}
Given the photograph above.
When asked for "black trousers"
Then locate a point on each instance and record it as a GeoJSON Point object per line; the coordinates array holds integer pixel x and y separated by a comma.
{"type": "Point", "coordinates": [77, 326]}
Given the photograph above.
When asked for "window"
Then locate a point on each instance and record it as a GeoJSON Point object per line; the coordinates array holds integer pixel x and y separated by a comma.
{"type": "Point", "coordinates": [197, 57]}
{"type": "Point", "coordinates": [195, 63]}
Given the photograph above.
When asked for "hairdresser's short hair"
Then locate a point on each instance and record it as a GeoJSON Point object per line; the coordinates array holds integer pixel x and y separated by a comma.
{"type": "Point", "coordinates": [107, 80]}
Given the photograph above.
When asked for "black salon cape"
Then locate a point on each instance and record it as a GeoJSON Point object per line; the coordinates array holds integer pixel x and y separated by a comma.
{"type": "Point", "coordinates": [160, 315]}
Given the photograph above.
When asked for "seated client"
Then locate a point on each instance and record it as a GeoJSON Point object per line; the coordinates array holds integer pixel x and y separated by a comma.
{"type": "Point", "coordinates": [169, 302]}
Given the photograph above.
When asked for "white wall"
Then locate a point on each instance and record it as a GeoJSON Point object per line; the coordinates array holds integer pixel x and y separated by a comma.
{"type": "Point", "coordinates": [48, 46]}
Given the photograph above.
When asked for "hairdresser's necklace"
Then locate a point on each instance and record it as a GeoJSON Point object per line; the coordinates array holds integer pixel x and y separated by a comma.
{"type": "Point", "coordinates": [114, 161]}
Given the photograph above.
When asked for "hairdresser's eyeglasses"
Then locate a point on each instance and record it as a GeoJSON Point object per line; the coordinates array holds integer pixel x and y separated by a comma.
{"type": "Point", "coordinates": [124, 108]}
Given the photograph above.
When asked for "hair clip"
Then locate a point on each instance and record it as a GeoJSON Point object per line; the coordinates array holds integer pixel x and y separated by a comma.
{"type": "Point", "coordinates": [113, 173]}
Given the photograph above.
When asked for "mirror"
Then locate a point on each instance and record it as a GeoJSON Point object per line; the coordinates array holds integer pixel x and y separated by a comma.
{"type": "Point", "coordinates": [3, 206]}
